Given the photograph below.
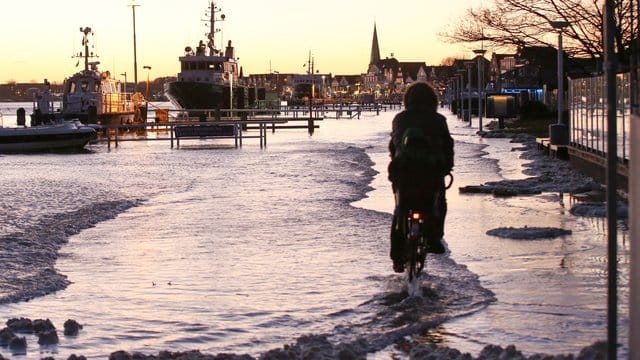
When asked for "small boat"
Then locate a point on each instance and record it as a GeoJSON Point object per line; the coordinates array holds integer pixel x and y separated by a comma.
{"type": "Point", "coordinates": [209, 78]}
{"type": "Point", "coordinates": [91, 96]}
{"type": "Point", "coordinates": [60, 136]}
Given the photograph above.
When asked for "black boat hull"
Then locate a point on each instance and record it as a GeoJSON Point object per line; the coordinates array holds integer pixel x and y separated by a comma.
{"type": "Point", "coordinates": [26, 141]}
{"type": "Point", "coordinates": [194, 96]}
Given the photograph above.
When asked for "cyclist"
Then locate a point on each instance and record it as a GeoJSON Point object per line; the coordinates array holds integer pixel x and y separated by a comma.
{"type": "Point", "coordinates": [418, 178]}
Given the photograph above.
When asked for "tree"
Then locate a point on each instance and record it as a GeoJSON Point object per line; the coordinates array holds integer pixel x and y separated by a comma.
{"type": "Point", "coordinates": [509, 24]}
{"type": "Point", "coordinates": [448, 61]}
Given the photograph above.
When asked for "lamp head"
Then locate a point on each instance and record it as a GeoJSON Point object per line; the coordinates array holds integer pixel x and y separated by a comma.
{"type": "Point", "coordinates": [559, 24]}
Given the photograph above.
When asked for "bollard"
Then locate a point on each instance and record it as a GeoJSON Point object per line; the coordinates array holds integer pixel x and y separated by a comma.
{"type": "Point", "coordinates": [310, 126]}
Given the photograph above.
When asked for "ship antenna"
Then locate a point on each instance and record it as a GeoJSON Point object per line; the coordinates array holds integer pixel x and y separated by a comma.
{"type": "Point", "coordinates": [212, 28]}
{"type": "Point", "coordinates": [85, 42]}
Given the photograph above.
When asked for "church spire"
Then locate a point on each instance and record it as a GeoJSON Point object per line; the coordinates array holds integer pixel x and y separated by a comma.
{"type": "Point", "coordinates": [375, 49]}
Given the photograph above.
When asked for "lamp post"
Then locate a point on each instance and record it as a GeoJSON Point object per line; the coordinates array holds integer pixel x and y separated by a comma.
{"type": "Point", "coordinates": [230, 93]}
{"type": "Point", "coordinates": [135, 58]}
{"type": "Point", "coordinates": [469, 64]}
{"type": "Point", "coordinates": [148, 68]}
{"type": "Point", "coordinates": [559, 133]}
{"type": "Point", "coordinates": [460, 99]}
{"type": "Point", "coordinates": [480, 57]}
{"type": "Point", "coordinates": [559, 25]}
{"type": "Point", "coordinates": [125, 81]}
{"type": "Point", "coordinates": [451, 90]}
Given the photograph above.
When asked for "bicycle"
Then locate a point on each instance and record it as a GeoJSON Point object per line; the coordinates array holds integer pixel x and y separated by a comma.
{"type": "Point", "coordinates": [415, 238]}
{"type": "Point", "coordinates": [415, 243]}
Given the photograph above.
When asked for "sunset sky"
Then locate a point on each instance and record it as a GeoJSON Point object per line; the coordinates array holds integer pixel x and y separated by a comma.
{"type": "Point", "coordinates": [39, 37]}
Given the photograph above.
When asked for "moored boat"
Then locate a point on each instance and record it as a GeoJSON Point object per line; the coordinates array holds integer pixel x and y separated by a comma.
{"type": "Point", "coordinates": [209, 78]}
{"type": "Point", "coordinates": [61, 136]}
{"type": "Point", "coordinates": [91, 96]}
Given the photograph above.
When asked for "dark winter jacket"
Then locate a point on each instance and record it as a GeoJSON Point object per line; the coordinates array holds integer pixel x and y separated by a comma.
{"type": "Point", "coordinates": [433, 125]}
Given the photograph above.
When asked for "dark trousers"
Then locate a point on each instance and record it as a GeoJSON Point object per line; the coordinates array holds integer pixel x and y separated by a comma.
{"type": "Point", "coordinates": [431, 201]}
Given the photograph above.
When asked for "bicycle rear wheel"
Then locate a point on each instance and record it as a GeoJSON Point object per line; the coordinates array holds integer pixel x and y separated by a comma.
{"type": "Point", "coordinates": [415, 260]}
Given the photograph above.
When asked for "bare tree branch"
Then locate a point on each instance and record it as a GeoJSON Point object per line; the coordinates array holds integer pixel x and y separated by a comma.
{"type": "Point", "coordinates": [512, 24]}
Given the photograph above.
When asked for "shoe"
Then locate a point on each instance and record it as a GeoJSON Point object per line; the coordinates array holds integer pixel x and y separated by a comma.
{"type": "Point", "coordinates": [398, 267]}
{"type": "Point", "coordinates": [435, 246]}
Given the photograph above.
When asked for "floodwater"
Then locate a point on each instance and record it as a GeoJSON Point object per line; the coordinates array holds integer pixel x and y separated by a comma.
{"type": "Point", "coordinates": [244, 250]}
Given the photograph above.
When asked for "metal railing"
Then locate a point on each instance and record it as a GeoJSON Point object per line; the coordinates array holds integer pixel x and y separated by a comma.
{"type": "Point", "coordinates": [116, 102]}
{"type": "Point", "coordinates": [587, 104]}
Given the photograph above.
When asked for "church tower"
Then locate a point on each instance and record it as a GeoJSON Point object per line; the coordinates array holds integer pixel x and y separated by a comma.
{"type": "Point", "coordinates": [375, 49]}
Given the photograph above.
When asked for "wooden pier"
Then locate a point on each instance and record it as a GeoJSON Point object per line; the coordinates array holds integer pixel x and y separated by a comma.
{"type": "Point", "coordinates": [210, 126]}
{"type": "Point", "coordinates": [240, 124]}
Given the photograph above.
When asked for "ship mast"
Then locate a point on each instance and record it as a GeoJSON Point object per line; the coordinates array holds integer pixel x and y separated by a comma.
{"type": "Point", "coordinates": [85, 41]}
{"type": "Point", "coordinates": [212, 28]}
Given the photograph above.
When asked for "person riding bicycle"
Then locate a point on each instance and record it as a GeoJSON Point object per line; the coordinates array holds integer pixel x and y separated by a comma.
{"type": "Point", "coordinates": [421, 150]}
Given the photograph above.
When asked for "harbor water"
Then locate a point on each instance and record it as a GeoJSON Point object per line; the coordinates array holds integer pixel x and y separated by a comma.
{"type": "Point", "coordinates": [244, 250]}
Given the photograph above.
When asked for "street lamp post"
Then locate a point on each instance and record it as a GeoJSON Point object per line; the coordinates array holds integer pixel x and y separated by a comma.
{"type": "Point", "coordinates": [469, 64]}
{"type": "Point", "coordinates": [480, 57]}
{"type": "Point", "coordinates": [451, 90]}
{"type": "Point", "coordinates": [148, 68]}
{"type": "Point", "coordinates": [559, 133]}
{"type": "Point", "coordinates": [135, 57]}
{"type": "Point", "coordinates": [460, 99]}
{"type": "Point", "coordinates": [125, 81]}
{"type": "Point", "coordinates": [457, 95]}
{"type": "Point", "coordinates": [231, 92]}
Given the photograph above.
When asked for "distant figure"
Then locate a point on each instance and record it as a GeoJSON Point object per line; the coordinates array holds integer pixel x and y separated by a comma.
{"type": "Point", "coordinates": [421, 150]}
{"type": "Point", "coordinates": [201, 49]}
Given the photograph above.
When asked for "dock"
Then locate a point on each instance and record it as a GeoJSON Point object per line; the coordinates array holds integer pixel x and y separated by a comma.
{"type": "Point", "coordinates": [211, 124]}
{"type": "Point", "coordinates": [233, 124]}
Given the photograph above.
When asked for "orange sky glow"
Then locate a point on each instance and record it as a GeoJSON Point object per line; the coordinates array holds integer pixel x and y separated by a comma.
{"type": "Point", "coordinates": [39, 37]}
